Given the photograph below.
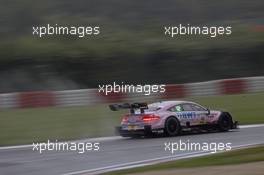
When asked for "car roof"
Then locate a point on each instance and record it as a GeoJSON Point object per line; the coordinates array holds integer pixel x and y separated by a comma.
{"type": "Point", "coordinates": [170, 103]}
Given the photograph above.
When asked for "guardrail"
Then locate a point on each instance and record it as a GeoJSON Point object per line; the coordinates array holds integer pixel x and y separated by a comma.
{"type": "Point", "coordinates": [84, 97]}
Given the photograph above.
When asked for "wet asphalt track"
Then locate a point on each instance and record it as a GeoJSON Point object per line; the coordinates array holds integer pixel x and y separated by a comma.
{"type": "Point", "coordinates": [114, 152]}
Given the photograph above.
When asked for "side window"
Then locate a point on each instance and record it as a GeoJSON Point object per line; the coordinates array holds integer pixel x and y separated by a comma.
{"type": "Point", "coordinates": [177, 108]}
{"type": "Point", "coordinates": [187, 107]}
{"type": "Point", "coordinates": [197, 108]}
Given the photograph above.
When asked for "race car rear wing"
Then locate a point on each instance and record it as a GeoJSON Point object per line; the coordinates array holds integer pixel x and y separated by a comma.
{"type": "Point", "coordinates": [132, 107]}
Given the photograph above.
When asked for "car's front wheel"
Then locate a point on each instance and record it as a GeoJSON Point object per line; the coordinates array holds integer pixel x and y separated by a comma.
{"type": "Point", "coordinates": [225, 122]}
{"type": "Point", "coordinates": [172, 127]}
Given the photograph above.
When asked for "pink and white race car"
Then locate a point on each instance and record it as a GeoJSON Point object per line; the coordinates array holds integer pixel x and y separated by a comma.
{"type": "Point", "coordinates": [170, 118]}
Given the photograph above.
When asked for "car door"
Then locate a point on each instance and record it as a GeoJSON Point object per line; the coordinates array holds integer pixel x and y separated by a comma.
{"type": "Point", "coordinates": [177, 110]}
{"type": "Point", "coordinates": [190, 115]}
{"type": "Point", "coordinates": [185, 114]}
{"type": "Point", "coordinates": [201, 114]}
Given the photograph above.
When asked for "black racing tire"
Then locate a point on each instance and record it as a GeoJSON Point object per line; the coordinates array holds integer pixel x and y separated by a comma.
{"type": "Point", "coordinates": [172, 127]}
{"type": "Point", "coordinates": [225, 122]}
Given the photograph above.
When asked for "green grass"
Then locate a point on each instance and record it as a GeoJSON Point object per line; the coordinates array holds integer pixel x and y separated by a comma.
{"type": "Point", "coordinates": [20, 126]}
{"type": "Point", "coordinates": [27, 125]}
{"type": "Point", "coordinates": [247, 155]}
{"type": "Point", "coordinates": [246, 108]}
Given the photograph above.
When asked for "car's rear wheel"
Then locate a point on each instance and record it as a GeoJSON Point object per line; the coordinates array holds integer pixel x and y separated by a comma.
{"type": "Point", "coordinates": [224, 122]}
{"type": "Point", "coordinates": [172, 127]}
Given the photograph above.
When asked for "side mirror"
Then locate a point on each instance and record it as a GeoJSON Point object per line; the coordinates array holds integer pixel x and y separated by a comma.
{"type": "Point", "coordinates": [208, 111]}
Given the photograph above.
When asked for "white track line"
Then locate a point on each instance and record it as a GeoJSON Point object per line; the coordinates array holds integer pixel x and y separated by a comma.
{"type": "Point", "coordinates": [150, 161]}
{"type": "Point", "coordinates": [108, 138]}
{"type": "Point", "coordinates": [130, 164]}
{"type": "Point", "coordinates": [251, 126]}
{"type": "Point", "coordinates": [82, 140]}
